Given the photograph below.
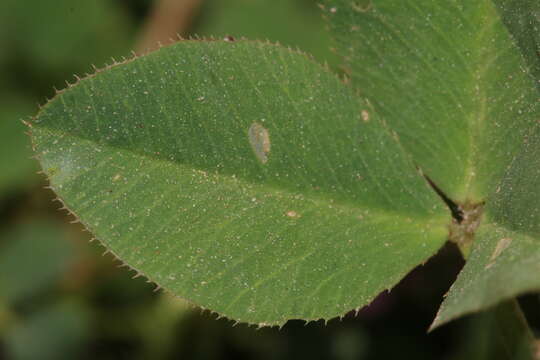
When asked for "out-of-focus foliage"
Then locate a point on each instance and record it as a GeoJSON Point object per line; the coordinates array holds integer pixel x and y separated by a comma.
{"type": "Point", "coordinates": [295, 23]}
{"type": "Point", "coordinates": [17, 168]}
{"type": "Point", "coordinates": [44, 44]}
{"type": "Point", "coordinates": [35, 321]}
{"type": "Point", "coordinates": [55, 333]}
{"type": "Point", "coordinates": [92, 309]}
{"type": "Point", "coordinates": [504, 323]}
{"type": "Point", "coordinates": [54, 40]}
{"type": "Point", "coordinates": [32, 256]}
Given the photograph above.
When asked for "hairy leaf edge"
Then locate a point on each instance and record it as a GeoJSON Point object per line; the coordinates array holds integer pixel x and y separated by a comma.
{"type": "Point", "coordinates": [134, 56]}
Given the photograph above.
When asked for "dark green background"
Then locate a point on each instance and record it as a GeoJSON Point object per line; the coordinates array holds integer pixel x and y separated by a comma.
{"type": "Point", "coordinates": [60, 299]}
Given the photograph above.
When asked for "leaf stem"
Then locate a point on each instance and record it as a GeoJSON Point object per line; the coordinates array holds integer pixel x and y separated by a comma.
{"type": "Point", "coordinates": [455, 209]}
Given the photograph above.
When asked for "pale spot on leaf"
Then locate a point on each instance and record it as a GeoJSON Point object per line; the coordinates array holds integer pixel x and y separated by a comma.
{"type": "Point", "coordinates": [365, 115]}
{"type": "Point", "coordinates": [292, 214]}
{"type": "Point", "coordinates": [361, 5]}
{"type": "Point", "coordinates": [501, 246]}
{"type": "Point", "coordinates": [259, 138]}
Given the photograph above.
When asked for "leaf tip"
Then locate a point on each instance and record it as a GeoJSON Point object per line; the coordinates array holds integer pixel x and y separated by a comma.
{"type": "Point", "coordinates": [437, 322]}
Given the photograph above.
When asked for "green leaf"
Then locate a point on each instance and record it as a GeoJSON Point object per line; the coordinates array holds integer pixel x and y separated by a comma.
{"type": "Point", "coordinates": [502, 264]}
{"type": "Point", "coordinates": [458, 82]}
{"type": "Point", "coordinates": [448, 78]}
{"type": "Point", "coordinates": [243, 177]}
{"type": "Point", "coordinates": [505, 260]}
{"type": "Point", "coordinates": [522, 18]}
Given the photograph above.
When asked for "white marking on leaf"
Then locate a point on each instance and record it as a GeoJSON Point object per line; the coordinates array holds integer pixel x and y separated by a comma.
{"type": "Point", "coordinates": [365, 115]}
{"type": "Point", "coordinates": [502, 245]}
{"type": "Point", "coordinates": [292, 214]}
{"type": "Point", "coordinates": [259, 138]}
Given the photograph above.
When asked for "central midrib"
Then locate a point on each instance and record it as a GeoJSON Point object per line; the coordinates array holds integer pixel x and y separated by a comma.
{"type": "Point", "coordinates": [470, 193]}
{"type": "Point", "coordinates": [379, 212]}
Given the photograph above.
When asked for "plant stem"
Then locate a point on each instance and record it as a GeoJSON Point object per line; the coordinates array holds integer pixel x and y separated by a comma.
{"type": "Point", "coordinates": [168, 19]}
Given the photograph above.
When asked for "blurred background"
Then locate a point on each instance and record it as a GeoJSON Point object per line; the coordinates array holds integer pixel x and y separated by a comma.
{"type": "Point", "coordinates": [61, 299]}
